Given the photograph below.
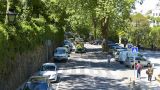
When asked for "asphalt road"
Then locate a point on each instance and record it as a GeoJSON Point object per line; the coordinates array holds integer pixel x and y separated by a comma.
{"type": "Point", "coordinates": [90, 71]}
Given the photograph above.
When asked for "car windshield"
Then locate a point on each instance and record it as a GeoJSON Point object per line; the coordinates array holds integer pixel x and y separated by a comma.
{"type": "Point", "coordinates": [48, 68]}
{"type": "Point", "coordinates": [60, 51]}
{"type": "Point", "coordinates": [37, 79]}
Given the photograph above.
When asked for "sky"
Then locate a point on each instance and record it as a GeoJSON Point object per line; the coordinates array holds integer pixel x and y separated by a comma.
{"type": "Point", "coordinates": [146, 6]}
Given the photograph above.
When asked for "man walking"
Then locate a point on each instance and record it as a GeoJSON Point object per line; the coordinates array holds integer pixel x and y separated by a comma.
{"type": "Point", "coordinates": [138, 68]}
{"type": "Point", "coordinates": [149, 72]}
{"type": "Point", "coordinates": [109, 58]}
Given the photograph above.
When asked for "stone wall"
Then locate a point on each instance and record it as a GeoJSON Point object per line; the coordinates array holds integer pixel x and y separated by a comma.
{"type": "Point", "coordinates": [23, 67]}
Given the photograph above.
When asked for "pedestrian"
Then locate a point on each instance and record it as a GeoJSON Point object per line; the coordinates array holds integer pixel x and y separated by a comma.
{"type": "Point", "coordinates": [139, 69]}
{"type": "Point", "coordinates": [109, 58]}
{"type": "Point", "coordinates": [149, 72]}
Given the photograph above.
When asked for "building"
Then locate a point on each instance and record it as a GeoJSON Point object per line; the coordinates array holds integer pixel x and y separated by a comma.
{"type": "Point", "coordinates": [155, 13]}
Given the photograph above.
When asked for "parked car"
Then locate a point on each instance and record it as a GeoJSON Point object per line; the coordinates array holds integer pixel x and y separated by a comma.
{"type": "Point", "coordinates": [49, 70]}
{"type": "Point", "coordinates": [38, 83]}
{"type": "Point", "coordinates": [69, 43]}
{"type": "Point", "coordinates": [122, 56]}
{"type": "Point", "coordinates": [130, 61]}
{"type": "Point", "coordinates": [68, 48]}
{"type": "Point", "coordinates": [116, 52]}
{"type": "Point", "coordinates": [110, 42]}
{"type": "Point", "coordinates": [116, 48]}
{"type": "Point", "coordinates": [61, 53]}
{"type": "Point", "coordinates": [97, 42]}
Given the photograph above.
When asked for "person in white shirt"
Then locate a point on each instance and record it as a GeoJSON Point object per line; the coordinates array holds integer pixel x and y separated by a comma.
{"type": "Point", "coordinates": [109, 58]}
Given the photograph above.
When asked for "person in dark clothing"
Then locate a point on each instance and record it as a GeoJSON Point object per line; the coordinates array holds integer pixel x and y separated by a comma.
{"type": "Point", "coordinates": [149, 72]}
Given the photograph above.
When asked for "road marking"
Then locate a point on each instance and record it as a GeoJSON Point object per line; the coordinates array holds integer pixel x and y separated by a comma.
{"type": "Point", "coordinates": [92, 77]}
{"type": "Point", "coordinates": [60, 77]}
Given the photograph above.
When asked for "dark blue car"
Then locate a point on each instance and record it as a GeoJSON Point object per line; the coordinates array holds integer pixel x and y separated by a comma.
{"type": "Point", "coordinates": [38, 83]}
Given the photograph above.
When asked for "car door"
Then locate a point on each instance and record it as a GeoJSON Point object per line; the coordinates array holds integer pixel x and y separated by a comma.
{"type": "Point", "coordinates": [144, 62]}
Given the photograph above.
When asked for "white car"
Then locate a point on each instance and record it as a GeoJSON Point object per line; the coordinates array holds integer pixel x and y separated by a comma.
{"type": "Point", "coordinates": [122, 56]}
{"type": "Point", "coordinates": [130, 61]}
{"type": "Point", "coordinates": [49, 70]}
{"type": "Point", "coordinates": [61, 53]}
{"type": "Point", "coordinates": [117, 52]}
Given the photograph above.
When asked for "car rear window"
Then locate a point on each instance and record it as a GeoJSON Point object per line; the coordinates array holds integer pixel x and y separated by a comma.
{"type": "Point", "coordinates": [59, 51]}
{"type": "Point", "coordinates": [48, 68]}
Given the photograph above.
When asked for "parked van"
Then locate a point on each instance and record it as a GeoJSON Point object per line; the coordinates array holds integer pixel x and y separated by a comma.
{"type": "Point", "coordinates": [123, 56]}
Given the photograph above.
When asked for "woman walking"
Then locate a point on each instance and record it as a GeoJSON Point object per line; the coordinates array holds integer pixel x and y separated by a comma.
{"type": "Point", "coordinates": [139, 69]}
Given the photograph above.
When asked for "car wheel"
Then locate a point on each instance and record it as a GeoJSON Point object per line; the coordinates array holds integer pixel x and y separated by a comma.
{"type": "Point", "coordinates": [58, 79]}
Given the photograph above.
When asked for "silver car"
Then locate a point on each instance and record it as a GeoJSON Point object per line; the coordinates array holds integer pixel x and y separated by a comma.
{"type": "Point", "coordinates": [61, 53]}
{"type": "Point", "coordinates": [49, 70]}
{"type": "Point", "coordinates": [130, 61]}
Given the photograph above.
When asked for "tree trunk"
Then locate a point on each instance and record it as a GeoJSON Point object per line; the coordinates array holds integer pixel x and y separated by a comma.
{"type": "Point", "coordinates": [105, 29]}
{"type": "Point", "coordinates": [94, 20]}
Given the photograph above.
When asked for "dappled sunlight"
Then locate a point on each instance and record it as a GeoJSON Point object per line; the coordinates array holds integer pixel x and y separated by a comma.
{"type": "Point", "coordinates": [86, 82]}
{"type": "Point", "coordinates": [91, 71]}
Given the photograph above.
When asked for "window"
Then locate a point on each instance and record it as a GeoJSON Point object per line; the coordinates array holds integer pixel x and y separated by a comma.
{"type": "Point", "coordinates": [48, 68]}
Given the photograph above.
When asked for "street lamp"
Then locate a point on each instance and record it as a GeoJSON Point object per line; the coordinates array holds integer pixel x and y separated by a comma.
{"type": "Point", "coordinates": [11, 16]}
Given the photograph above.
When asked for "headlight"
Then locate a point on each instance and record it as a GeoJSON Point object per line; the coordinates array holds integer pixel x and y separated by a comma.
{"type": "Point", "coordinates": [54, 75]}
{"type": "Point", "coordinates": [47, 76]}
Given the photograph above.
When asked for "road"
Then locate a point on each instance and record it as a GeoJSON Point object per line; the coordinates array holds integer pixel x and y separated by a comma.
{"type": "Point", "coordinates": [90, 71]}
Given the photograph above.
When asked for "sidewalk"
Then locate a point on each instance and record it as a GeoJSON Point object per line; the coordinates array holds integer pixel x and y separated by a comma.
{"type": "Point", "coordinates": [144, 84]}
{"type": "Point", "coordinates": [127, 78]}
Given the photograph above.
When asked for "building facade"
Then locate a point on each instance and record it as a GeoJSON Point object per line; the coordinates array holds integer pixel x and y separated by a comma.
{"type": "Point", "coordinates": [155, 13]}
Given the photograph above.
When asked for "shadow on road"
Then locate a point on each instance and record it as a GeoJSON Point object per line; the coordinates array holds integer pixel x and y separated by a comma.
{"type": "Point", "coordinates": [94, 49]}
{"type": "Point", "coordinates": [85, 82]}
{"type": "Point", "coordinates": [78, 64]}
{"type": "Point", "coordinates": [95, 60]}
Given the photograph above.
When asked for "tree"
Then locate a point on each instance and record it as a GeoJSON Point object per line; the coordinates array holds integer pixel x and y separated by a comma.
{"type": "Point", "coordinates": [108, 14]}
{"type": "Point", "coordinates": [154, 36]}
{"type": "Point", "coordinates": [140, 29]}
{"type": "Point", "coordinates": [112, 15]}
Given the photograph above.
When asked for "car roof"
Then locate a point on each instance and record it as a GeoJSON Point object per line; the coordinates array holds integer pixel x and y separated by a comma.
{"type": "Point", "coordinates": [50, 64]}
{"type": "Point", "coordinates": [61, 48]}
{"type": "Point", "coordinates": [122, 49]}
